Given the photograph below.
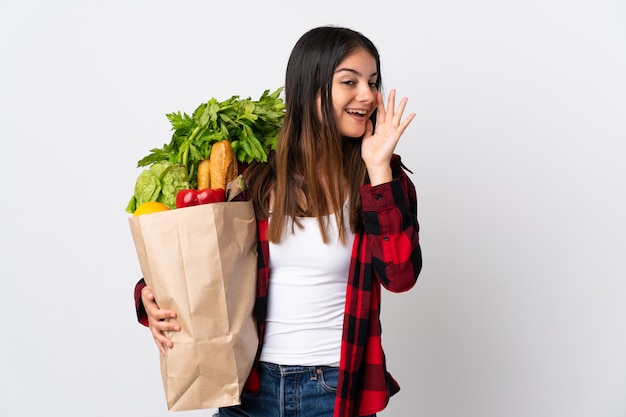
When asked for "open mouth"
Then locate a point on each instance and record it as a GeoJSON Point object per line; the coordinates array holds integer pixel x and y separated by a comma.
{"type": "Point", "coordinates": [359, 113]}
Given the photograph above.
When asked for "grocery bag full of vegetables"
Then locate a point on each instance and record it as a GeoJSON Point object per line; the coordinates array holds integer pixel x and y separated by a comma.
{"type": "Point", "coordinates": [197, 244]}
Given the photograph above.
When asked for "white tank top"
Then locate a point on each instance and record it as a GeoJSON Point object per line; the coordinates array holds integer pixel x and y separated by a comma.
{"type": "Point", "coordinates": [306, 296]}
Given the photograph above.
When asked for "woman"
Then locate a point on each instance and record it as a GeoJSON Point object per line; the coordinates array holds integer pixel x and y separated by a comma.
{"type": "Point", "coordinates": [337, 219]}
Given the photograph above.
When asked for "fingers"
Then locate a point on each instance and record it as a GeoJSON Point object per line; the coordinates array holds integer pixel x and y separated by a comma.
{"type": "Point", "coordinates": [402, 125]}
{"type": "Point", "coordinates": [161, 341]}
{"type": "Point", "coordinates": [160, 321]}
{"type": "Point", "coordinates": [386, 114]}
{"type": "Point", "coordinates": [406, 122]}
{"type": "Point", "coordinates": [391, 102]}
{"type": "Point", "coordinates": [146, 294]}
{"type": "Point", "coordinates": [160, 329]}
{"type": "Point", "coordinates": [152, 308]}
{"type": "Point", "coordinates": [392, 114]}
{"type": "Point", "coordinates": [160, 337]}
{"type": "Point", "coordinates": [395, 114]}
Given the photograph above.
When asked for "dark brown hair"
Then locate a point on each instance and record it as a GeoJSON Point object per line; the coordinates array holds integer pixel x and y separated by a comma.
{"type": "Point", "coordinates": [310, 144]}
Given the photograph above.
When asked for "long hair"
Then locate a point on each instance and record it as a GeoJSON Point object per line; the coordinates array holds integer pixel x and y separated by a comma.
{"type": "Point", "coordinates": [310, 143]}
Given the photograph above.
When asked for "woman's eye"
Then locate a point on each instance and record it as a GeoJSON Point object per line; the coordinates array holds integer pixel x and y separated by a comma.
{"type": "Point", "coordinates": [348, 82]}
{"type": "Point", "coordinates": [374, 86]}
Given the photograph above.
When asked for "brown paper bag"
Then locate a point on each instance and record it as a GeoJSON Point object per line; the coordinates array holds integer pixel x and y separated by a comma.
{"type": "Point", "coordinates": [201, 262]}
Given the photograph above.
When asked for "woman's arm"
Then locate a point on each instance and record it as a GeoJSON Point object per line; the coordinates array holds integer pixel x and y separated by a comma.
{"type": "Point", "coordinates": [392, 229]}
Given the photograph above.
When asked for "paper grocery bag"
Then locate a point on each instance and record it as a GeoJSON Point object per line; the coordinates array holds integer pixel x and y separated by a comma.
{"type": "Point", "coordinates": [201, 262]}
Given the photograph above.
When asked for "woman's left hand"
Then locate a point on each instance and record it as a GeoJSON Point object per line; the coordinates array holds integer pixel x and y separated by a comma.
{"type": "Point", "coordinates": [378, 147]}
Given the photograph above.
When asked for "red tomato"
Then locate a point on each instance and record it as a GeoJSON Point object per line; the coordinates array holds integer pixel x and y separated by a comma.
{"type": "Point", "coordinates": [211, 195]}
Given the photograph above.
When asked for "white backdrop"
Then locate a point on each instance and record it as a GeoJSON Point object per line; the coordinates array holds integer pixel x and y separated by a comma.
{"type": "Point", "coordinates": [517, 153]}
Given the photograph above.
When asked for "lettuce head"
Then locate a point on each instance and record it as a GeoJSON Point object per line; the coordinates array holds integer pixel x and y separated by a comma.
{"type": "Point", "coordinates": [161, 182]}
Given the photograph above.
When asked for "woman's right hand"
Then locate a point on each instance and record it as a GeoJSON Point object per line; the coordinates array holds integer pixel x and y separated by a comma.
{"type": "Point", "coordinates": [159, 320]}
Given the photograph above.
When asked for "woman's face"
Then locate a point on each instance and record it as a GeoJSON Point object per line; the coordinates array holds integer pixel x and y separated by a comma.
{"type": "Point", "coordinates": [354, 92]}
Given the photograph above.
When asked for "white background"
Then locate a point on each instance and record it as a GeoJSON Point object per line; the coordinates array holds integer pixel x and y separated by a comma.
{"type": "Point", "coordinates": [518, 158]}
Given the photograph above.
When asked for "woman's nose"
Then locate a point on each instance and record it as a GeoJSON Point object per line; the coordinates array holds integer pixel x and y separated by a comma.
{"type": "Point", "coordinates": [366, 94]}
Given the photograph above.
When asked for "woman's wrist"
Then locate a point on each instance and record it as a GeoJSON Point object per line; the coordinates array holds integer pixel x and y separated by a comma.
{"type": "Point", "coordinates": [379, 175]}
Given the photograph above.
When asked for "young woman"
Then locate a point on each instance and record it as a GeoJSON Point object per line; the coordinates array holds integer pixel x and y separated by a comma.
{"type": "Point", "coordinates": [337, 220]}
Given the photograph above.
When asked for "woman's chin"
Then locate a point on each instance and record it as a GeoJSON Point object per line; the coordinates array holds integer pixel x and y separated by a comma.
{"type": "Point", "coordinates": [354, 134]}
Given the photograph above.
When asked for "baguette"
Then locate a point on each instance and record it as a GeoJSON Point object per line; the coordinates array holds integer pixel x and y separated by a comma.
{"type": "Point", "coordinates": [222, 165]}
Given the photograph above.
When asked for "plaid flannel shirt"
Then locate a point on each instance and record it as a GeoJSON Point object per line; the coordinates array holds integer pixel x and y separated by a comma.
{"type": "Point", "coordinates": [387, 254]}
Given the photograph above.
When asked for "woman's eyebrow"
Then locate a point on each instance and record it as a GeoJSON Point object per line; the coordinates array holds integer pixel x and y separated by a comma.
{"type": "Point", "coordinates": [353, 71]}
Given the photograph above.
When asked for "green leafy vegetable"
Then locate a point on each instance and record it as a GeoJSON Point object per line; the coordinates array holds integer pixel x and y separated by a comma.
{"type": "Point", "coordinates": [252, 127]}
{"type": "Point", "coordinates": [159, 183]}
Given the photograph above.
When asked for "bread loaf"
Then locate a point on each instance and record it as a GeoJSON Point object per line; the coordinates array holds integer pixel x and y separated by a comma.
{"type": "Point", "coordinates": [222, 165]}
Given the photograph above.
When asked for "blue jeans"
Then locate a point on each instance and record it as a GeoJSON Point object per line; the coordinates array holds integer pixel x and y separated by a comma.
{"type": "Point", "coordinates": [289, 391]}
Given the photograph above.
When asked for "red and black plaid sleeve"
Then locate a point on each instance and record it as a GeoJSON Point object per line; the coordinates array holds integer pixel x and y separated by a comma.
{"type": "Point", "coordinates": [390, 220]}
{"type": "Point", "coordinates": [387, 254]}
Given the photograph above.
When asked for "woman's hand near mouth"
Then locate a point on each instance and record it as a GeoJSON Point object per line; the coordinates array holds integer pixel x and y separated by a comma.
{"type": "Point", "coordinates": [378, 147]}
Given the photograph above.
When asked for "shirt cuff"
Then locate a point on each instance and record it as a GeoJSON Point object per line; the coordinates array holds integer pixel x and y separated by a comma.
{"type": "Point", "coordinates": [142, 316]}
{"type": "Point", "coordinates": [382, 196]}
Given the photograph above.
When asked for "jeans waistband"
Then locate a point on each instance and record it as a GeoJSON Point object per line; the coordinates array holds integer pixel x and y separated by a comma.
{"type": "Point", "coordinates": [295, 369]}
